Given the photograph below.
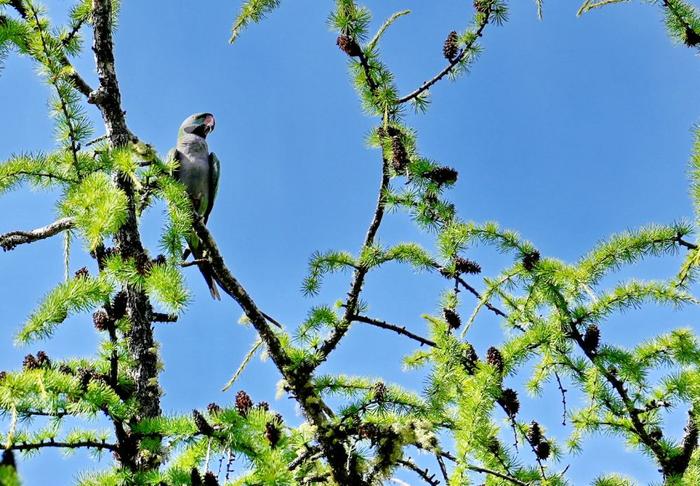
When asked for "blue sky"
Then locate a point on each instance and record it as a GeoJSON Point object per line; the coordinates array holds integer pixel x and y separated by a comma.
{"type": "Point", "coordinates": [566, 130]}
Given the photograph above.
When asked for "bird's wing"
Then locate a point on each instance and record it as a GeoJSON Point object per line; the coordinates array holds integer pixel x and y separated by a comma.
{"type": "Point", "coordinates": [214, 169]}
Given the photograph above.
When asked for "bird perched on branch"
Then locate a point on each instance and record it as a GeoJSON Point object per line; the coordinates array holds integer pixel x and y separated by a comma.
{"type": "Point", "coordinates": [199, 173]}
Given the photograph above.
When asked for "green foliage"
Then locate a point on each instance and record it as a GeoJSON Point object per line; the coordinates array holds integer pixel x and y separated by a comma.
{"type": "Point", "coordinates": [76, 295]}
{"type": "Point", "coordinates": [179, 226]}
{"type": "Point", "coordinates": [166, 284]}
{"type": "Point", "coordinates": [98, 206]}
{"type": "Point", "coordinates": [683, 22]}
{"type": "Point", "coordinates": [40, 171]}
{"type": "Point", "coordinates": [252, 11]}
{"type": "Point", "coordinates": [321, 264]}
{"type": "Point", "coordinates": [552, 311]}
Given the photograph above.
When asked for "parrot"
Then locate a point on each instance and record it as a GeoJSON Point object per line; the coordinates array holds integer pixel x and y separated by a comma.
{"type": "Point", "coordinates": [198, 171]}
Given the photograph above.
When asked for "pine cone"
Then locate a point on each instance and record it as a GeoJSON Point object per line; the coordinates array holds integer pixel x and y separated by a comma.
{"type": "Point", "coordinates": [3, 375]}
{"type": "Point", "coordinates": [101, 320]}
{"type": "Point", "coordinates": [195, 478]}
{"type": "Point", "coordinates": [464, 265]}
{"type": "Point", "coordinates": [42, 359]}
{"type": "Point", "coordinates": [530, 259]}
{"type": "Point", "coordinates": [348, 45]}
{"type": "Point", "coordinates": [542, 450]}
{"type": "Point", "coordinates": [450, 48]}
{"type": "Point", "coordinates": [30, 363]}
{"type": "Point", "coordinates": [442, 175]}
{"type": "Point", "coordinates": [452, 318]}
{"type": "Point", "coordinates": [119, 305]}
{"type": "Point", "coordinates": [243, 403]}
{"type": "Point", "coordinates": [143, 264]}
{"type": "Point", "coordinates": [509, 401]}
{"type": "Point", "coordinates": [493, 446]}
{"type": "Point", "coordinates": [495, 359]}
{"type": "Point", "coordinates": [160, 260]}
{"type": "Point", "coordinates": [65, 369]}
{"type": "Point", "coordinates": [272, 433]}
{"type": "Point", "coordinates": [482, 6]}
{"type": "Point", "coordinates": [85, 376]}
{"type": "Point", "coordinates": [213, 409]}
{"type": "Point", "coordinates": [82, 273]}
{"type": "Point", "coordinates": [201, 423]}
{"type": "Point", "coordinates": [399, 159]}
{"type": "Point", "coordinates": [591, 339]}
{"type": "Point", "coordinates": [692, 38]}
{"type": "Point", "coordinates": [210, 479]}
{"type": "Point", "coordinates": [368, 431]}
{"type": "Point", "coordinates": [379, 391]}
{"type": "Point", "coordinates": [534, 434]}
{"type": "Point", "coordinates": [469, 358]}
{"type": "Point", "coordinates": [264, 406]}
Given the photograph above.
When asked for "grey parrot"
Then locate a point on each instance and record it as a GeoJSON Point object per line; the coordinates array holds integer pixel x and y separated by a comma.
{"type": "Point", "coordinates": [199, 173]}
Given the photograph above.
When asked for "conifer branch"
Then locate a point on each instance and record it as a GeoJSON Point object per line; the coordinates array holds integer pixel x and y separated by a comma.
{"type": "Point", "coordinates": [484, 470]}
{"type": "Point", "coordinates": [424, 474]}
{"type": "Point", "coordinates": [298, 378]}
{"type": "Point", "coordinates": [466, 50]}
{"type": "Point", "coordinates": [10, 240]}
{"type": "Point", "coordinates": [80, 84]}
{"type": "Point", "coordinates": [84, 444]}
{"type": "Point", "coordinates": [477, 294]}
{"type": "Point", "coordinates": [360, 273]}
{"type": "Point", "coordinates": [54, 80]}
{"type": "Point", "coordinates": [393, 327]}
{"type": "Point", "coordinates": [233, 288]}
{"type": "Point", "coordinates": [140, 340]}
{"type": "Point", "coordinates": [161, 317]}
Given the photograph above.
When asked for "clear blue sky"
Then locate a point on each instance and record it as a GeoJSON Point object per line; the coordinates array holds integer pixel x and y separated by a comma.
{"type": "Point", "coordinates": [567, 130]}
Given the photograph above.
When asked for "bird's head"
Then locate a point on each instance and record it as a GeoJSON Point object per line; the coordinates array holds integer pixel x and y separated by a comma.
{"type": "Point", "coordinates": [201, 124]}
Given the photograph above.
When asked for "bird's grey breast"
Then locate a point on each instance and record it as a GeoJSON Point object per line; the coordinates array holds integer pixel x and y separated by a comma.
{"type": "Point", "coordinates": [194, 170]}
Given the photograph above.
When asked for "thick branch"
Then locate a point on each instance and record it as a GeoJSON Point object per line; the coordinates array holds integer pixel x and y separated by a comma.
{"type": "Point", "coordinates": [297, 378]}
{"type": "Point", "coordinates": [140, 341]}
{"type": "Point", "coordinates": [10, 240]}
{"type": "Point", "coordinates": [233, 288]}
{"type": "Point", "coordinates": [393, 327]}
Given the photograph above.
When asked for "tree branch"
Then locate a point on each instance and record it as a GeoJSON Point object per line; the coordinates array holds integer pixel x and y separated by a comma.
{"type": "Point", "coordinates": [393, 327]}
{"type": "Point", "coordinates": [64, 445]}
{"type": "Point", "coordinates": [497, 474]}
{"type": "Point", "coordinates": [10, 240]}
{"type": "Point", "coordinates": [78, 82]}
{"type": "Point", "coordinates": [452, 64]}
{"type": "Point", "coordinates": [424, 474]}
{"type": "Point", "coordinates": [360, 273]}
{"type": "Point", "coordinates": [140, 341]}
{"type": "Point", "coordinates": [298, 378]}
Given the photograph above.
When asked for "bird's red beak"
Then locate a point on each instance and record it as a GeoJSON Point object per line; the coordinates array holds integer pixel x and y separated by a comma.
{"type": "Point", "coordinates": [210, 123]}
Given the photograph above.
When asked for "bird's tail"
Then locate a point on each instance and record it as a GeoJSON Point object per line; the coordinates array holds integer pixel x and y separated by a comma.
{"type": "Point", "coordinates": [207, 274]}
{"type": "Point", "coordinates": [204, 269]}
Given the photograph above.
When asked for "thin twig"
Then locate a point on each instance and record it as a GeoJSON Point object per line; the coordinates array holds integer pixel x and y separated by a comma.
{"type": "Point", "coordinates": [423, 473]}
{"type": "Point", "coordinates": [393, 327]}
{"type": "Point", "coordinates": [452, 64]}
{"type": "Point", "coordinates": [563, 391]}
{"type": "Point", "coordinates": [65, 445]}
